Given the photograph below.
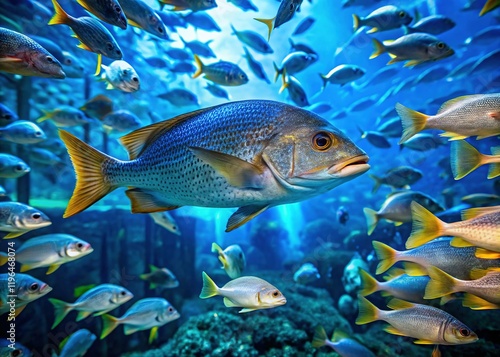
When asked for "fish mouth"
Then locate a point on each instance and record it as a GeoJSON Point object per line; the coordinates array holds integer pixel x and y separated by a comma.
{"type": "Point", "coordinates": [354, 166]}
{"type": "Point", "coordinates": [45, 288]}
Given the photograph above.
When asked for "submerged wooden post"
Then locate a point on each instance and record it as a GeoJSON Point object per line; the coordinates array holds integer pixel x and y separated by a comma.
{"type": "Point", "coordinates": [23, 111]}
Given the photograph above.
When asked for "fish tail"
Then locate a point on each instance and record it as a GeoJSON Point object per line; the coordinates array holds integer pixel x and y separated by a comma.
{"type": "Point", "coordinates": [61, 309]}
{"type": "Point", "coordinates": [413, 121]}
{"type": "Point", "coordinates": [368, 283]}
{"type": "Point", "coordinates": [386, 255]}
{"type": "Point", "coordinates": [222, 257]}
{"type": "Point", "coordinates": [426, 226]}
{"type": "Point", "coordinates": [209, 287]}
{"type": "Point", "coordinates": [324, 79]}
{"type": "Point", "coordinates": [4, 258]}
{"type": "Point", "coordinates": [379, 48]}
{"type": "Point", "coordinates": [356, 22]}
{"type": "Point", "coordinates": [143, 276]}
{"type": "Point", "coordinates": [378, 182]}
{"type": "Point", "coordinates": [464, 159]}
{"type": "Point", "coordinates": [46, 115]}
{"type": "Point", "coordinates": [320, 338]}
{"type": "Point", "coordinates": [109, 323]}
{"type": "Point", "coordinates": [494, 167]}
{"type": "Point", "coordinates": [233, 29]}
{"type": "Point", "coordinates": [371, 219]}
{"type": "Point", "coordinates": [91, 184]}
{"type": "Point", "coordinates": [277, 71]}
{"type": "Point", "coordinates": [199, 65]}
{"type": "Point", "coordinates": [367, 311]}
{"type": "Point", "coordinates": [489, 6]}
{"type": "Point", "coordinates": [269, 23]}
{"type": "Point", "coordinates": [60, 17]}
{"type": "Point", "coordinates": [285, 84]}
{"type": "Point", "coordinates": [441, 284]}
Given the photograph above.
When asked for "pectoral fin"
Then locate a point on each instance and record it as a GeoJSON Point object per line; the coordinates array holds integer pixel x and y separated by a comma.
{"type": "Point", "coordinates": [153, 335]}
{"type": "Point", "coordinates": [52, 268]}
{"type": "Point", "coordinates": [13, 235]}
{"type": "Point", "coordinates": [243, 215]}
{"type": "Point", "coordinates": [19, 310]}
{"type": "Point", "coordinates": [82, 315]}
{"type": "Point", "coordinates": [458, 242]}
{"type": "Point", "coordinates": [242, 311]}
{"type": "Point", "coordinates": [424, 342]}
{"type": "Point", "coordinates": [453, 136]}
{"type": "Point", "coordinates": [392, 330]}
{"type": "Point", "coordinates": [146, 202]}
{"type": "Point", "coordinates": [229, 303]}
{"type": "Point", "coordinates": [486, 254]}
{"type": "Point", "coordinates": [10, 59]}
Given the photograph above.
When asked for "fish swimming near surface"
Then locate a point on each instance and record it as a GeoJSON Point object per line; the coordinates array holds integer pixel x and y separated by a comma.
{"type": "Point", "coordinates": [270, 154]}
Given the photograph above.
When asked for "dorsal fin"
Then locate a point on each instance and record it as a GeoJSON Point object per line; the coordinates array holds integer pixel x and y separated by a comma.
{"type": "Point", "coordinates": [137, 141]}
{"type": "Point", "coordinates": [447, 105]}
{"type": "Point", "coordinates": [398, 304]}
{"type": "Point", "coordinates": [339, 334]}
{"type": "Point", "coordinates": [394, 273]}
{"type": "Point", "coordinates": [478, 211]}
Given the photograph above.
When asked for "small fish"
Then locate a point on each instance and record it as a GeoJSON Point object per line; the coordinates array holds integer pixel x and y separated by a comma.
{"type": "Point", "coordinates": [54, 145]}
{"type": "Point", "coordinates": [484, 36]}
{"type": "Point", "coordinates": [18, 218]}
{"type": "Point", "coordinates": [429, 325]}
{"type": "Point", "coordinates": [306, 274]}
{"type": "Point", "coordinates": [172, 19]}
{"type": "Point", "coordinates": [108, 11]}
{"type": "Point", "coordinates": [342, 215]}
{"type": "Point", "coordinates": [97, 301]}
{"type": "Point", "coordinates": [301, 47]}
{"type": "Point", "coordinates": [245, 5]}
{"type": "Point", "coordinates": [26, 289]}
{"type": "Point", "coordinates": [434, 25]}
{"type": "Point", "coordinates": [458, 262]}
{"type": "Point", "coordinates": [415, 48]}
{"type": "Point", "coordinates": [351, 279]}
{"type": "Point", "coordinates": [202, 20]}
{"type": "Point", "coordinates": [199, 48]}
{"type": "Point", "coordinates": [375, 138]}
{"type": "Point", "coordinates": [183, 67]}
{"type": "Point", "coordinates": [432, 74]}
{"type": "Point", "coordinates": [470, 115]}
{"type": "Point", "coordinates": [232, 259]}
{"type": "Point", "coordinates": [22, 132]}
{"type": "Point", "coordinates": [482, 199]}
{"type": "Point", "coordinates": [145, 314]}
{"type": "Point", "coordinates": [217, 91]}
{"type": "Point", "coordinates": [21, 55]}
{"type": "Point", "coordinates": [320, 107]}
{"type": "Point", "coordinates": [72, 66]}
{"type": "Point", "coordinates": [249, 292]}
{"type": "Point", "coordinates": [121, 75]}
{"type": "Point", "coordinates": [363, 104]}
{"type": "Point", "coordinates": [465, 158]}
{"type": "Point", "coordinates": [479, 227]}
{"type": "Point", "coordinates": [140, 14]}
{"type": "Point", "coordinates": [6, 351]}
{"type": "Point", "coordinates": [98, 107]}
{"type": "Point", "coordinates": [481, 292]}
{"type": "Point", "coordinates": [51, 250]}
{"type": "Point", "coordinates": [120, 121]}
{"type": "Point", "coordinates": [294, 63]}
{"type": "Point", "coordinates": [342, 74]}
{"type": "Point", "coordinates": [64, 116]}
{"type": "Point", "coordinates": [93, 36]}
{"type": "Point", "coordinates": [45, 157]}
{"type": "Point", "coordinates": [490, 5]}
{"type": "Point", "coordinates": [179, 54]}
{"type": "Point", "coordinates": [397, 208]}
{"type": "Point", "coordinates": [424, 142]}
{"type": "Point", "coordinates": [285, 13]}
{"type": "Point", "coordinates": [166, 220]}
{"type": "Point", "coordinates": [297, 94]}
{"type": "Point", "coordinates": [397, 284]}
{"type": "Point", "coordinates": [180, 97]}
{"type": "Point", "coordinates": [12, 166]}
{"type": "Point", "coordinates": [193, 5]}
{"type": "Point", "coordinates": [222, 72]}
{"type": "Point", "coordinates": [156, 61]}
{"type": "Point", "coordinates": [341, 343]}
{"type": "Point", "coordinates": [253, 40]}
{"type": "Point", "coordinates": [255, 66]}
{"type": "Point", "coordinates": [398, 177]}
{"type": "Point", "coordinates": [383, 19]}
{"type": "Point", "coordinates": [160, 278]}
{"type": "Point", "coordinates": [77, 344]}
{"type": "Point", "coordinates": [7, 116]}
{"type": "Point", "coordinates": [303, 26]}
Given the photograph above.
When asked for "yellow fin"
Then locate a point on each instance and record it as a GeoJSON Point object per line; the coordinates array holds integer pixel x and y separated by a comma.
{"type": "Point", "coordinates": [109, 86]}
{"type": "Point", "coordinates": [60, 17]}
{"type": "Point", "coordinates": [476, 303]}
{"type": "Point", "coordinates": [372, 219]}
{"type": "Point", "coordinates": [367, 311]}
{"type": "Point", "coordinates": [145, 202]}
{"type": "Point", "coordinates": [61, 309]}
{"type": "Point", "coordinates": [320, 338]}
{"type": "Point", "coordinates": [441, 284]}
{"type": "Point", "coordinates": [133, 23]}
{"type": "Point", "coordinates": [91, 184]}
{"type": "Point", "coordinates": [13, 235]}
{"type": "Point", "coordinates": [379, 48]}
{"type": "Point", "coordinates": [153, 334]}
{"type": "Point", "coordinates": [245, 310]}
{"type": "Point", "coordinates": [229, 303]}
{"type": "Point", "coordinates": [477, 273]}
{"type": "Point", "coordinates": [86, 7]}
{"type": "Point", "coordinates": [490, 5]}
{"type": "Point", "coordinates": [199, 66]}
{"type": "Point", "coordinates": [494, 170]}
{"type": "Point", "coordinates": [446, 299]}
{"type": "Point", "coordinates": [413, 122]}
{"type": "Point", "coordinates": [397, 224]}
{"type": "Point", "coordinates": [25, 267]}
{"type": "Point", "coordinates": [394, 273]}
{"type": "Point", "coordinates": [99, 63]}
{"type": "Point", "coordinates": [414, 269]}
{"type": "Point", "coordinates": [84, 47]}
{"type": "Point", "coordinates": [373, 30]}
{"type": "Point", "coordinates": [368, 283]}
{"type": "Point", "coordinates": [52, 268]}
{"type": "Point", "coordinates": [83, 314]}
{"type": "Point", "coordinates": [80, 290]}
{"type": "Point", "coordinates": [338, 335]}
{"type": "Point", "coordinates": [386, 255]}
{"type": "Point", "coordinates": [19, 310]}
{"type": "Point", "coordinates": [464, 159]}
{"type": "Point", "coordinates": [398, 304]}
{"type": "Point", "coordinates": [412, 63]}
{"type": "Point", "coordinates": [243, 215]}
{"type": "Point", "coordinates": [478, 211]}
{"type": "Point", "coordinates": [63, 342]}
{"type": "Point", "coordinates": [458, 242]}
{"type": "Point", "coordinates": [426, 226]}
{"type": "Point", "coordinates": [356, 22]}
{"type": "Point", "coordinates": [394, 331]}
{"type": "Point", "coordinates": [209, 287]}
{"type": "Point", "coordinates": [270, 24]}
{"type": "Point", "coordinates": [4, 258]}
{"type": "Point", "coordinates": [424, 342]}
{"type": "Point", "coordinates": [453, 136]}
{"type": "Point", "coordinates": [284, 83]}
{"type": "Point", "coordinates": [109, 323]}
{"type": "Point", "coordinates": [46, 115]}
{"type": "Point", "coordinates": [486, 254]}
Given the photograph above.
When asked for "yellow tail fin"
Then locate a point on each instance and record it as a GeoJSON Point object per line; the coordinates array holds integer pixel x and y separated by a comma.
{"type": "Point", "coordinates": [209, 287]}
{"type": "Point", "coordinates": [490, 5]}
{"type": "Point", "coordinates": [371, 219]}
{"type": "Point", "coordinates": [60, 17]}
{"type": "Point", "coordinates": [320, 337]}
{"type": "Point", "coordinates": [278, 72]}
{"type": "Point", "coordinates": [494, 167]}
{"type": "Point", "coordinates": [3, 258]}
{"type": "Point", "coordinates": [378, 182]}
{"type": "Point", "coordinates": [464, 159]}
{"type": "Point", "coordinates": [379, 48]}
{"type": "Point", "coordinates": [222, 256]}
{"type": "Point", "coordinates": [61, 309]}
{"type": "Point", "coordinates": [199, 66]}
{"type": "Point", "coordinates": [413, 122]}
{"type": "Point", "coordinates": [270, 24]}
{"type": "Point", "coordinates": [426, 226]}
{"type": "Point", "coordinates": [46, 115]}
{"type": "Point", "coordinates": [109, 323]}
{"type": "Point", "coordinates": [91, 184]}
{"type": "Point", "coordinates": [387, 256]}
{"type": "Point", "coordinates": [367, 312]}
{"type": "Point", "coordinates": [355, 22]}
{"type": "Point", "coordinates": [441, 284]}
{"type": "Point", "coordinates": [368, 283]}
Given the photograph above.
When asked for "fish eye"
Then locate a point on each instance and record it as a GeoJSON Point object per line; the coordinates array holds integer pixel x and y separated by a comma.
{"type": "Point", "coordinates": [79, 245]}
{"type": "Point", "coordinates": [7, 116]}
{"type": "Point", "coordinates": [464, 332]}
{"type": "Point", "coordinates": [135, 79]}
{"type": "Point", "coordinates": [123, 293]}
{"type": "Point", "coordinates": [118, 52]}
{"type": "Point", "coordinates": [19, 168]}
{"type": "Point", "coordinates": [110, 46]}
{"type": "Point", "coordinates": [160, 29]}
{"type": "Point", "coordinates": [292, 6]}
{"type": "Point", "coordinates": [49, 59]}
{"type": "Point", "coordinates": [322, 141]}
{"type": "Point", "coordinates": [118, 9]}
{"type": "Point", "coordinates": [170, 309]}
{"type": "Point", "coordinates": [68, 61]}
{"type": "Point", "coordinates": [440, 45]}
{"type": "Point", "coordinates": [36, 215]}
{"type": "Point", "coordinates": [34, 287]}
{"type": "Point", "coordinates": [38, 133]}
{"type": "Point", "coordinates": [402, 14]}
{"type": "Point", "coordinates": [276, 293]}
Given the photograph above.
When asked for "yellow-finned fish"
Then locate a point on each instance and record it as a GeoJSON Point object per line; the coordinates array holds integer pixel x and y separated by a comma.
{"type": "Point", "coordinates": [482, 293]}
{"type": "Point", "coordinates": [382, 19]}
{"type": "Point", "coordinates": [490, 5]}
{"type": "Point", "coordinates": [341, 343]}
{"type": "Point", "coordinates": [108, 11]}
{"type": "Point", "coordinates": [249, 292]}
{"type": "Point", "coordinates": [252, 154]}
{"type": "Point", "coordinates": [429, 325]}
{"type": "Point", "coordinates": [469, 115]}
{"type": "Point", "coordinates": [285, 13]}
{"type": "Point", "coordinates": [465, 158]}
{"type": "Point", "coordinates": [479, 227]}
{"type": "Point", "coordinates": [232, 259]}
{"type": "Point", "coordinates": [481, 199]}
